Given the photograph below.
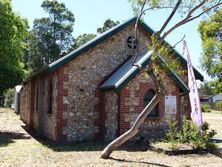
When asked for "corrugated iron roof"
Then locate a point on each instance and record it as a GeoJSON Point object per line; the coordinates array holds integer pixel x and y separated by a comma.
{"type": "Point", "coordinates": [127, 72]}
{"type": "Point", "coordinates": [72, 55]}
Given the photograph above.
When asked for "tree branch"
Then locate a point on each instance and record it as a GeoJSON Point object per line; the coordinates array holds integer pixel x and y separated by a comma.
{"type": "Point", "coordinates": [188, 18]}
{"type": "Point", "coordinates": [178, 42]}
{"type": "Point", "coordinates": [135, 34]}
{"type": "Point", "coordinates": [195, 8]}
{"type": "Point", "coordinates": [218, 4]}
{"type": "Point", "coordinates": [170, 17]}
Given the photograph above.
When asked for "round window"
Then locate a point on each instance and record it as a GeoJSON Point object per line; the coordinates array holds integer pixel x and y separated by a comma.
{"type": "Point", "coordinates": [131, 42]}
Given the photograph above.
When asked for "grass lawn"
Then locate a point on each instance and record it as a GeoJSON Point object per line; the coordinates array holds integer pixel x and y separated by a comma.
{"type": "Point", "coordinates": [18, 148]}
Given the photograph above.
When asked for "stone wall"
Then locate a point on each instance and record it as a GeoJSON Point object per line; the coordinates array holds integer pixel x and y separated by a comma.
{"type": "Point", "coordinates": [25, 103]}
{"type": "Point", "coordinates": [49, 119]}
{"type": "Point", "coordinates": [80, 110]}
{"type": "Point", "coordinates": [85, 73]}
{"type": "Point", "coordinates": [132, 103]}
{"type": "Point", "coordinates": [34, 105]}
{"type": "Point", "coordinates": [111, 115]}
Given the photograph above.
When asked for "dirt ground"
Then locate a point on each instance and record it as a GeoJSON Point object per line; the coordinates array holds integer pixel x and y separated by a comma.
{"type": "Point", "coordinates": [215, 121]}
{"type": "Point", "coordinates": [18, 148]}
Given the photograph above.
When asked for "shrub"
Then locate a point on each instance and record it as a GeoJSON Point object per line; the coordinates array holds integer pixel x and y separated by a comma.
{"type": "Point", "coordinates": [9, 97]}
{"type": "Point", "coordinates": [191, 135]}
{"type": "Point", "coordinates": [219, 105]}
{"type": "Point", "coordinates": [172, 134]}
{"type": "Point", "coordinates": [205, 108]}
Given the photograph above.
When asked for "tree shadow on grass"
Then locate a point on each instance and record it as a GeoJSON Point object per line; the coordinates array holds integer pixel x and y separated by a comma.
{"type": "Point", "coordinates": [139, 162]}
{"type": "Point", "coordinates": [7, 137]}
{"type": "Point", "coordinates": [90, 146]}
{"type": "Point", "coordinates": [218, 151]}
{"type": "Point", "coordinates": [65, 146]}
{"type": "Point", "coordinates": [131, 146]}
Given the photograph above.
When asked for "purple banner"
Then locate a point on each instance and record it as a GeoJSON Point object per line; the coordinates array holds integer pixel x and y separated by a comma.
{"type": "Point", "coordinates": [196, 113]}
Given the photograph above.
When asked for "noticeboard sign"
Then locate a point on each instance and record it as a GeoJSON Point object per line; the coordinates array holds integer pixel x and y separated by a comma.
{"type": "Point", "coordinates": [170, 104]}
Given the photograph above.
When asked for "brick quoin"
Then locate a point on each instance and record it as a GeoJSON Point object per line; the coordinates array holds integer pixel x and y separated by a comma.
{"type": "Point", "coordinates": [100, 111]}
{"type": "Point", "coordinates": [61, 108]}
{"type": "Point", "coordinates": [143, 88]}
{"type": "Point", "coordinates": [125, 93]}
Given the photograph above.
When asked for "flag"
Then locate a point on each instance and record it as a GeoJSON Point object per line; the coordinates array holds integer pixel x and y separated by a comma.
{"type": "Point", "coordinates": [196, 113]}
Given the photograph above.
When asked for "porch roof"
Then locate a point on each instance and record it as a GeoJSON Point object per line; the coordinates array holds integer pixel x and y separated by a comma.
{"type": "Point", "coordinates": [127, 72]}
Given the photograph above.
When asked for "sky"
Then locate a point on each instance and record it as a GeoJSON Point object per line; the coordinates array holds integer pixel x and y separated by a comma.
{"type": "Point", "coordinates": [91, 14]}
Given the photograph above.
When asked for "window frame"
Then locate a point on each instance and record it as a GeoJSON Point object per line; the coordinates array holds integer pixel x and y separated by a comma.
{"type": "Point", "coordinates": [155, 113]}
{"type": "Point", "coordinates": [50, 97]}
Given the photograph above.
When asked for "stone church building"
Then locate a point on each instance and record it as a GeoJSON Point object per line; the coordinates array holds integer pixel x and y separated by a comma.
{"type": "Point", "coordinates": [94, 92]}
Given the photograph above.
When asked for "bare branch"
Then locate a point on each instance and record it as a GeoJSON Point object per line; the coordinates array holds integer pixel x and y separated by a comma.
{"type": "Point", "coordinates": [170, 17]}
{"type": "Point", "coordinates": [195, 8]}
{"type": "Point", "coordinates": [204, 11]}
{"type": "Point", "coordinates": [179, 42]}
{"type": "Point", "coordinates": [135, 32]}
{"type": "Point", "coordinates": [189, 18]}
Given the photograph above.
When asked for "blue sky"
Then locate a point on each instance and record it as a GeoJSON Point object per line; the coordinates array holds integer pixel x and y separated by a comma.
{"type": "Point", "coordinates": [91, 14]}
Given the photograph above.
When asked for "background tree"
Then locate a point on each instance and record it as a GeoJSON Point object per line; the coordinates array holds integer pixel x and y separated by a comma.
{"type": "Point", "coordinates": [13, 32]}
{"type": "Point", "coordinates": [82, 39]}
{"type": "Point", "coordinates": [205, 90]}
{"type": "Point", "coordinates": [51, 37]}
{"type": "Point", "coordinates": [108, 24]}
{"type": "Point", "coordinates": [188, 10]}
{"type": "Point", "coordinates": [211, 61]}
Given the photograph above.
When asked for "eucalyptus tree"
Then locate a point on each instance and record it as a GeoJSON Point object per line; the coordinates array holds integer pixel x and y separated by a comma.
{"type": "Point", "coordinates": [51, 37]}
{"type": "Point", "coordinates": [189, 10]}
{"type": "Point", "coordinates": [84, 38]}
{"type": "Point", "coordinates": [108, 24]}
{"type": "Point", "coordinates": [211, 60]}
{"type": "Point", "coordinates": [13, 32]}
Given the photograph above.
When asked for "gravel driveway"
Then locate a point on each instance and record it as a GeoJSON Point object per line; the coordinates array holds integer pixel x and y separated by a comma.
{"type": "Point", "coordinates": [18, 148]}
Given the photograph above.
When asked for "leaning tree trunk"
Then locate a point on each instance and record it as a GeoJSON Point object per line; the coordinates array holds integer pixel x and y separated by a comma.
{"type": "Point", "coordinates": [132, 132]}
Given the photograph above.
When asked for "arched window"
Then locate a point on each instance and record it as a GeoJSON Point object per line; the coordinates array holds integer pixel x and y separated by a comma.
{"type": "Point", "coordinates": [147, 98]}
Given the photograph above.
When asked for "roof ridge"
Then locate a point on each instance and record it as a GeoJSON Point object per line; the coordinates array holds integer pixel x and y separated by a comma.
{"type": "Point", "coordinates": [92, 43]}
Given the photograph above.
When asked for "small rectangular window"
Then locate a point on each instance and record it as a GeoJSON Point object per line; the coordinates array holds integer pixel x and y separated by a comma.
{"type": "Point", "coordinates": [37, 98]}
{"type": "Point", "coordinates": [50, 96]}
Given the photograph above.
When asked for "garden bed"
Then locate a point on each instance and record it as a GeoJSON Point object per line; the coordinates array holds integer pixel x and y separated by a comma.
{"type": "Point", "coordinates": [183, 149]}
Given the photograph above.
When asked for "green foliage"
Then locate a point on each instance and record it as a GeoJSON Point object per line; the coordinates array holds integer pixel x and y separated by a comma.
{"type": "Point", "coordinates": [211, 60]}
{"type": "Point", "coordinates": [184, 133]}
{"type": "Point", "coordinates": [205, 108]}
{"type": "Point", "coordinates": [9, 97]}
{"type": "Point", "coordinates": [205, 89]}
{"type": "Point", "coordinates": [51, 37]}
{"type": "Point", "coordinates": [82, 39]}
{"type": "Point", "coordinates": [172, 134]}
{"type": "Point", "coordinates": [164, 61]}
{"type": "Point", "coordinates": [190, 134]}
{"type": "Point", "coordinates": [108, 24]}
{"type": "Point", "coordinates": [184, 8]}
{"type": "Point", "coordinates": [13, 32]}
{"type": "Point", "coordinates": [219, 105]}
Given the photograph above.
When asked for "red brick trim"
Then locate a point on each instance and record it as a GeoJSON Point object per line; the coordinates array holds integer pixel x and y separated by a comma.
{"type": "Point", "coordinates": [100, 111]}
{"type": "Point", "coordinates": [123, 110]}
{"type": "Point", "coordinates": [61, 108]}
{"type": "Point", "coordinates": [143, 88]}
